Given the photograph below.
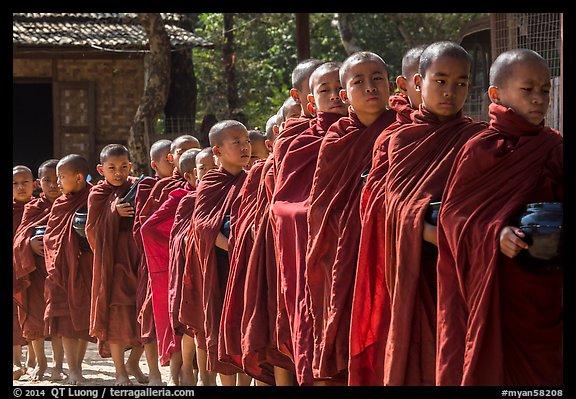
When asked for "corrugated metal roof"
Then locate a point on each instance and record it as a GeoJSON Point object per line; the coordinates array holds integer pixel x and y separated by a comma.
{"type": "Point", "coordinates": [114, 31]}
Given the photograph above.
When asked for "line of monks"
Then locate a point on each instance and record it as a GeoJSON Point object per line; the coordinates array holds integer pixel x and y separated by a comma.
{"type": "Point", "coordinates": [307, 255]}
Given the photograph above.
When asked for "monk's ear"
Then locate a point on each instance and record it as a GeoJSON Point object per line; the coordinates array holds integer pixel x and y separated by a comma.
{"type": "Point", "coordinates": [216, 150]}
{"type": "Point", "coordinates": [493, 94]}
{"type": "Point", "coordinates": [100, 169]}
{"type": "Point", "coordinates": [295, 94]}
{"type": "Point", "coordinates": [268, 145]}
{"type": "Point", "coordinates": [311, 106]}
{"type": "Point", "coordinates": [417, 81]}
{"type": "Point", "coordinates": [190, 177]}
{"type": "Point", "coordinates": [153, 165]}
{"type": "Point", "coordinates": [170, 158]}
{"type": "Point", "coordinates": [343, 96]}
{"type": "Point", "coordinates": [401, 84]}
{"type": "Point", "coordinates": [276, 129]}
{"type": "Point", "coordinates": [195, 172]}
{"type": "Point", "coordinates": [130, 166]}
{"type": "Point", "coordinates": [36, 184]}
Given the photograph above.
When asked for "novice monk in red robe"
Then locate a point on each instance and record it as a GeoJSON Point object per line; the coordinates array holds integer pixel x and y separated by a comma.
{"type": "Point", "coordinates": [366, 355]}
{"type": "Point", "coordinates": [30, 273]}
{"type": "Point", "coordinates": [156, 251]}
{"type": "Point", "coordinates": [500, 315]}
{"type": "Point", "coordinates": [22, 190]}
{"type": "Point", "coordinates": [266, 346]}
{"type": "Point", "coordinates": [333, 213]}
{"type": "Point", "coordinates": [162, 167]}
{"type": "Point", "coordinates": [293, 183]}
{"type": "Point", "coordinates": [420, 157]}
{"type": "Point", "coordinates": [195, 163]}
{"type": "Point", "coordinates": [215, 195]}
{"type": "Point", "coordinates": [69, 266]}
{"type": "Point", "coordinates": [190, 311]}
{"type": "Point", "coordinates": [239, 247]}
{"type": "Point", "coordinates": [113, 318]}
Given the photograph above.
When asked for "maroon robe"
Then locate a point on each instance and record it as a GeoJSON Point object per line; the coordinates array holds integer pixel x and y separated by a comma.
{"type": "Point", "coordinates": [30, 270]}
{"type": "Point", "coordinates": [265, 334]}
{"type": "Point", "coordinates": [143, 303]}
{"type": "Point", "coordinates": [216, 193]}
{"type": "Point", "coordinates": [113, 317]}
{"type": "Point", "coordinates": [498, 324]}
{"type": "Point", "coordinates": [68, 260]}
{"type": "Point", "coordinates": [420, 156]}
{"type": "Point", "coordinates": [289, 207]}
{"type": "Point", "coordinates": [17, 212]}
{"type": "Point", "coordinates": [334, 234]}
{"type": "Point", "coordinates": [240, 245]}
{"type": "Point", "coordinates": [369, 298]}
{"type": "Point", "coordinates": [155, 233]}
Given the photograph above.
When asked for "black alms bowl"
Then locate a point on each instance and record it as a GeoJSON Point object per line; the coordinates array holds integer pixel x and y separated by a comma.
{"type": "Point", "coordinates": [542, 223]}
{"type": "Point", "coordinates": [431, 215]}
{"type": "Point", "coordinates": [39, 231]}
{"type": "Point", "coordinates": [79, 222]}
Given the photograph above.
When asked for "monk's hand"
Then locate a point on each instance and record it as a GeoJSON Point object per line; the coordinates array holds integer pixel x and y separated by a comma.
{"type": "Point", "coordinates": [125, 210]}
{"type": "Point", "coordinates": [253, 230]}
{"type": "Point", "coordinates": [511, 242]}
{"type": "Point", "coordinates": [37, 245]}
{"type": "Point", "coordinates": [430, 233]}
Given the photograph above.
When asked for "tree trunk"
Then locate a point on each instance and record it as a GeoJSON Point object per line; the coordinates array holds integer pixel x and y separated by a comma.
{"type": "Point", "coordinates": [302, 36]}
{"type": "Point", "coordinates": [404, 32]}
{"type": "Point", "coordinates": [343, 22]}
{"type": "Point", "coordinates": [229, 60]}
{"type": "Point", "coordinates": [156, 87]}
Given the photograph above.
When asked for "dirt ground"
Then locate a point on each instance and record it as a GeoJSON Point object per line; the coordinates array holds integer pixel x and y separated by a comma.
{"type": "Point", "coordinates": [96, 370]}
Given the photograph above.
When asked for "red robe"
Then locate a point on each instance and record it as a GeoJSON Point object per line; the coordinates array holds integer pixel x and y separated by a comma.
{"type": "Point", "coordinates": [17, 212]}
{"type": "Point", "coordinates": [369, 298]}
{"type": "Point", "coordinates": [155, 237]}
{"type": "Point", "coordinates": [289, 207]}
{"type": "Point", "coordinates": [216, 193]}
{"type": "Point", "coordinates": [113, 317]}
{"type": "Point", "coordinates": [68, 260]}
{"type": "Point", "coordinates": [498, 324]}
{"type": "Point", "coordinates": [240, 245]}
{"type": "Point", "coordinates": [143, 303]}
{"type": "Point", "coordinates": [157, 196]}
{"type": "Point", "coordinates": [177, 258]}
{"type": "Point", "coordinates": [420, 157]}
{"type": "Point", "coordinates": [265, 338]}
{"type": "Point", "coordinates": [30, 270]}
{"type": "Point", "coordinates": [334, 234]}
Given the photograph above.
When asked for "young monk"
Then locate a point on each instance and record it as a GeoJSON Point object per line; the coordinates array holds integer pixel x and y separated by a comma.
{"type": "Point", "coordinates": [162, 167]}
{"type": "Point", "coordinates": [289, 202]}
{"type": "Point", "coordinates": [190, 311]}
{"type": "Point", "coordinates": [290, 109]}
{"type": "Point", "coordinates": [512, 307]}
{"type": "Point", "coordinates": [22, 190]}
{"type": "Point", "coordinates": [68, 261]}
{"type": "Point", "coordinates": [116, 259]}
{"type": "Point", "coordinates": [366, 354]}
{"type": "Point", "coordinates": [215, 195]}
{"type": "Point", "coordinates": [240, 247]}
{"type": "Point", "coordinates": [30, 273]}
{"type": "Point", "coordinates": [420, 156]}
{"type": "Point", "coordinates": [156, 198]}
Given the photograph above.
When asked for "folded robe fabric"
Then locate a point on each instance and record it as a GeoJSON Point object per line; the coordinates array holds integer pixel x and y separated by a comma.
{"type": "Point", "coordinates": [17, 212]}
{"type": "Point", "coordinates": [240, 245]}
{"type": "Point", "coordinates": [368, 303]}
{"type": "Point", "coordinates": [420, 157]}
{"type": "Point", "coordinates": [334, 233]}
{"type": "Point", "coordinates": [155, 233]}
{"type": "Point", "coordinates": [216, 193]}
{"type": "Point", "coordinates": [265, 339]}
{"type": "Point", "coordinates": [30, 270]}
{"type": "Point", "coordinates": [68, 259]}
{"type": "Point", "coordinates": [113, 317]}
{"type": "Point", "coordinates": [143, 306]}
{"type": "Point", "coordinates": [289, 207]}
{"type": "Point", "coordinates": [498, 324]}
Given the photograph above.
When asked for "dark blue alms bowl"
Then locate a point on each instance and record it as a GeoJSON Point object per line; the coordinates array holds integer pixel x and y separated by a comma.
{"type": "Point", "coordinates": [79, 222]}
{"type": "Point", "coordinates": [542, 223]}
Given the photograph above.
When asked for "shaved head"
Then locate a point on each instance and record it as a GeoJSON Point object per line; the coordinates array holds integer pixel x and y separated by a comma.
{"type": "Point", "coordinates": [322, 70]}
{"type": "Point", "coordinates": [218, 131]}
{"type": "Point", "coordinates": [442, 49]}
{"type": "Point", "coordinates": [302, 71]}
{"type": "Point", "coordinates": [160, 149]}
{"type": "Point", "coordinates": [75, 163]}
{"type": "Point", "coordinates": [270, 123]}
{"type": "Point", "coordinates": [48, 164]}
{"type": "Point", "coordinates": [503, 66]}
{"type": "Point", "coordinates": [289, 109]}
{"type": "Point", "coordinates": [22, 169]}
{"type": "Point", "coordinates": [188, 160]}
{"type": "Point", "coordinates": [360, 56]}
{"type": "Point", "coordinates": [184, 140]}
{"type": "Point", "coordinates": [113, 150]}
{"type": "Point", "coordinates": [411, 60]}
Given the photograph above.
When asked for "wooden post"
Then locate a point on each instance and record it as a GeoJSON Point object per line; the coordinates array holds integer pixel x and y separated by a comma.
{"type": "Point", "coordinates": [302, 36]}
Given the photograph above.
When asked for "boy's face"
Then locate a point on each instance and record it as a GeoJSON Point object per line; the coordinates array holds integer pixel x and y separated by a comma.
{"type": "Point", "coordinates": [259, 151]}
{"type": "Point", "coordinates": [235, 149]}
{"type": "Point", "coordinates": [163, 166]}
{"type": "Point", "coordinates": [445, 87]}
{"type": "Point", "coordinates": [526, 91]}
{"type": "Point", "coordinates": [115, 170]}
{"type": "Point", "coordinates": [203, 164]}
{"type": "Point", "coordinates": [68, 180]}
{"type": "Point", "coordinates": [326, 94]}
{"type": "Point", "coordinates": [22, 185]}
{"type": "Point", "coordinates": [366, 88]}
{"type": "Point", "coordinates": [49, 184]}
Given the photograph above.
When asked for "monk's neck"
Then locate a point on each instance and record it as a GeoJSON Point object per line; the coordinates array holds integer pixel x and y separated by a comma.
{"type": "Point", "coordinates": [234, 170]}
{"type": "Point", "coordinates": [368, 119]}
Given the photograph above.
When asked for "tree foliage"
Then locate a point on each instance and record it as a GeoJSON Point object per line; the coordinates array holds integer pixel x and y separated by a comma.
{"type": "Point", "coordinates": [266, 52]}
